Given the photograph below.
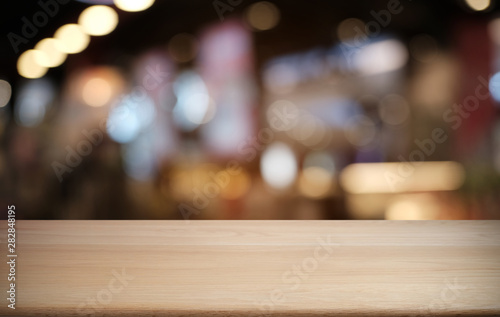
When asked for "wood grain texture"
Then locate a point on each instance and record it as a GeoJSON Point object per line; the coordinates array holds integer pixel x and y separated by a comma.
{"type": "Point", "coordinates": [253, 268]}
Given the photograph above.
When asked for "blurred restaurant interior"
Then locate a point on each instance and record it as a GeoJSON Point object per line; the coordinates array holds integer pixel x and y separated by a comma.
{"type": "Point", "coordinates": [241, 109]}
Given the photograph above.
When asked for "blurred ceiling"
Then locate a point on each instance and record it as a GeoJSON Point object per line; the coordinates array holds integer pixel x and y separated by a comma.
{"type": "Point", "coordinates": [304, 24]}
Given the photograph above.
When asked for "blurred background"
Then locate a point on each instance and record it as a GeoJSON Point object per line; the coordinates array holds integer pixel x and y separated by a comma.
{"type": "Point", "coordinates": [240, 109]}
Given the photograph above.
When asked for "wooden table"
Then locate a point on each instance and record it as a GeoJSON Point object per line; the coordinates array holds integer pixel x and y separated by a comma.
{"type": "Point", "coordinates": [252, 268]}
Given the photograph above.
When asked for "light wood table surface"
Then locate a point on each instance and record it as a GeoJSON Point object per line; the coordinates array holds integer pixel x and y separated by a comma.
{"type": "Point", "coordinates": [252, 268]}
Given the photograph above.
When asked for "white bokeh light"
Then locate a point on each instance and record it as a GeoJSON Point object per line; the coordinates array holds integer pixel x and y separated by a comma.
{"type": "Point", "coordinates": [494, 86]}
{"type": "Point", "coordinates": [278, 166]}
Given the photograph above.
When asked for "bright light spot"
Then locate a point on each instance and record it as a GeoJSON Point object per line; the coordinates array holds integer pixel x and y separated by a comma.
{"type": "Point", "coordinates": [143, 109]}
{"type": "Point", "coordinates": [413, 207]}
{"type": "Point", "coordinates": [5, 92]}
{"type": "Point", "coordinates": [97, 92]}
{"type": "Point", "coordinates": [403, 210]}
{"type": "Point", "coordinates": [72, 38]}
{"type": "Point", "coordinates": [494, 86]}
{"type": "Point", "coordinates": [51, 55]}
{"type": "Point", "coordinates": [33, 101]}
{"type": "Point", "coordinates": [123, 126]}
{"type": "Point", "coordinates": [351, 30]}
{"type": "Point", "coordinates": [194, 106]}
{"type": "Point", "coordinates": [263, 15]}
{"type": "Point", "coordinates": [183, 47]}
{"type": "Point", "coordinates": [278, 166]}
{"type": "Point", "coordinates": [97, 86]}
{"type": "Point", "coordinates": [315, 182]}
{"type": "Point", "coordinates": [28, 66]}
{"type": "Point", "coordinates": [381, 57]}
{"type": "Point", "coordinates": [98, 20]}
{"type": "Point", "coordinates": [316, 179]}
{"type": "Point", "coordinates": [478, 5]}
{"type": "Point", "coordinates": [394, 109]}
{"type": "Point", "coordinates": [129, 117]}
{"type": "Point", "coordinates": [366, 178]}
{"type": "Point", "coordinates": [134, 5]}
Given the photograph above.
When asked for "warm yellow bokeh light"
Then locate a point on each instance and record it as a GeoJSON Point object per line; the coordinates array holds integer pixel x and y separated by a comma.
{"type": "Point", "coordinates": [50, 56]}
{"type": "Point", "coordinates": [369, 178]}
{"type": "Point", "coordinates": [98, 20]}
{"type": "Point", "coordinates": [28, 66]}
{"type": "Point", "coordinates": [263, 16]}
{"type": "Point", "coordinates": [97, 92]}
{"type": "Point", "coordinates": [478, 5]}
{"type": "Point", "coordinates": [315, 182]}
{"type": "Point", "coordinates": [413, 207]}
{"type": "Point", "coordinates": [72, 38]}
{"type": "Point", "coordinates": [134, 5]}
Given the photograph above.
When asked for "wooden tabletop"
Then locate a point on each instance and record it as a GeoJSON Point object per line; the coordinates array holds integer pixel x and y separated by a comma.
{"type": "Point", "coordinates": [252, 268]}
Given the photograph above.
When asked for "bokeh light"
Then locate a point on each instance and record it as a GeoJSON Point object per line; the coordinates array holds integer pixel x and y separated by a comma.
{"type": "Point", "coordinates": [494, 86]}
{"type": "Point", "coordinates": [194, 105]}
{"type": "Point", "coordinates": [278, 165]}
{"type": "Point", "coordinates": [51, 55]}
{"type": "Point", "coordinates": [263, 15]}
{"type": "Point", "coordinates": [72, 38]}
{"type": "Point", "coordinates": [364, 178]}
{"type": "Point", "coordinates": [98, 86]}
{"type": "Point", "coordinates": [97, 92]}
{"type": "Point", "coordinates": [413, 207]}
{"type": "Point", "coordinates": [129, 117]}
{"type": "Point", "coordinates": [5, 92]}
{"type": "Point", "coordinates": [381, 57]}
{"type": "Point", "coordinates": [98, 20]}
{"type": "Point", "coordinates": [32, 102]}
{"type": "Point", "coordinates": [28, 65]}
{"type": "Point", "coordinates": [134, 5]}
{"type": "Point", "coordinates": [478, 5]}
